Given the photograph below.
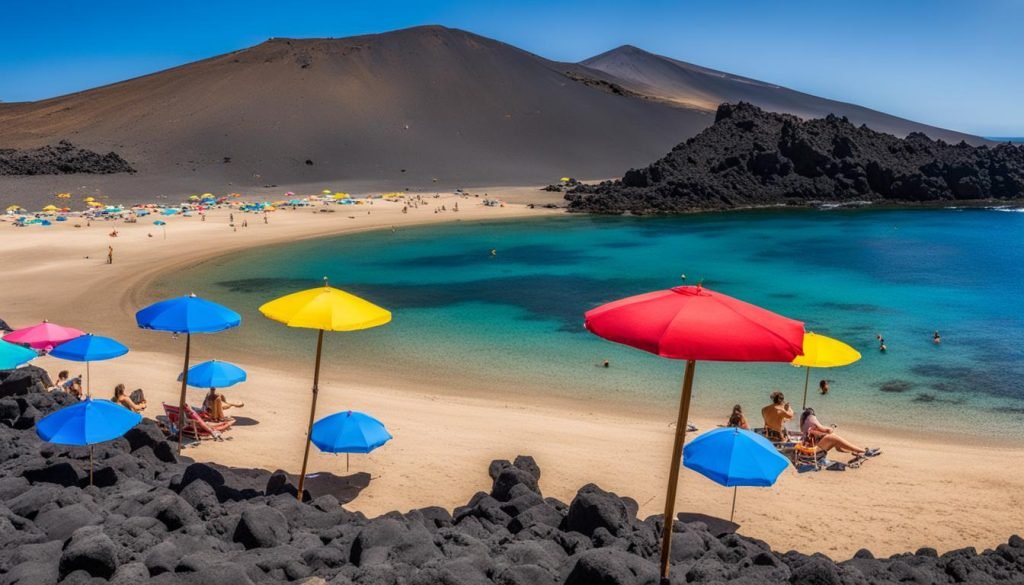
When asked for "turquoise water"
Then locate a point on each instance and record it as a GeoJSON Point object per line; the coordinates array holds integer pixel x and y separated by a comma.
{"type": "Point", "coordinates": [514, 321]}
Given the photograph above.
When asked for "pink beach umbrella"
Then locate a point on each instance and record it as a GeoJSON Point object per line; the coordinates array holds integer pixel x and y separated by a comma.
{"type": "Point", "coordinates": [45, 335]}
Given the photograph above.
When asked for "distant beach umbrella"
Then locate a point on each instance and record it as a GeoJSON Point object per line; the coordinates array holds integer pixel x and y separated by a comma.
{"type": "Point", "coordinates": [163, 224]}
{"type": "Point", "coordinates": [13, 355]}
{"type": "Point", "coordinates": [89, 348]}
{"type": "Point", "coordinates": [51, 208]}
{"type": "Point", "coordinates": [734, 457]}
{"type": "Point", "coordinates": [44, 335]}
{"type": "Point", "coordinates": [187, 315]}
{"type": "Point", "coordinates": [693, 323]}
{"type": "Point", "coordinates": [214, 374]}
{"type": "Point", "coordinates": [349, 432]}
{"type": "Point", "coordinates": [823, 352]}
{"type": "Point", "coordinates": [87, 423]}
{"type": "Point", "coordinates": [325, 309]}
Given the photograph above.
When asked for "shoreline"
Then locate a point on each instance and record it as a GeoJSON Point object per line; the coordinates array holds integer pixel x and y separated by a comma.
{"type": "Point", "coordinates": [604, 444]}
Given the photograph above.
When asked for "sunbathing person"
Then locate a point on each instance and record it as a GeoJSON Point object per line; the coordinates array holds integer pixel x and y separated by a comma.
{"type": "Point", "coordinates": [825, 438]}
{"type": "Point", "coordinates": [215, 404]}
{"type": "Point", "coordinates": [120, 397]}
{"type": "Point", "coordinates": [74, 387]}
{"type": "Point", "coordinates": [775, 416]}
{"type": "Point", "coordinates": [736, 419]}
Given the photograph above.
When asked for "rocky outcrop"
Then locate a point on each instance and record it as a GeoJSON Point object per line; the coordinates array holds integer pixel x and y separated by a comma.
{"type": "Point", "coordinates": [167, 521]}
{"type": "Point", "coordinates": [750, 157]}
{"type": "Point", "coordinates": [60, 159]}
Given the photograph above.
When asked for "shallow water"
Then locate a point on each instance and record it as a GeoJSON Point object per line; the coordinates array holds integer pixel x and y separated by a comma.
{"type": "Point", "coordinates": [515, 320]}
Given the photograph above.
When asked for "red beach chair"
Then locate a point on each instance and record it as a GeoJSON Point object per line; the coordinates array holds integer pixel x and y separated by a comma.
{"type": "Point", "coordinates": [195, 426]}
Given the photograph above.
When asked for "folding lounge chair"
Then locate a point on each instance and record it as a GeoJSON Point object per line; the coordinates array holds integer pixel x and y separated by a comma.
{"type": "Point", "coordinates": [195, 426]}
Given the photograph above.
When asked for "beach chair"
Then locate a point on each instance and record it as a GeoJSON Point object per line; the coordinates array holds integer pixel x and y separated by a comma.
{"type": "Point", "coordinates": [196, 427]}
{"type": "Point", "coordinates": [807, 457]}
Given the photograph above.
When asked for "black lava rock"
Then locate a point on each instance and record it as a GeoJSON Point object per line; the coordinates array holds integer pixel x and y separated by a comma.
{"type": "Point", "coordinates": [750, 157]}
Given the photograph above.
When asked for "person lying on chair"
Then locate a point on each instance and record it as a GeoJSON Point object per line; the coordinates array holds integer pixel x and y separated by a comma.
{"type": "Point", "coordinates": [825, 438]}
{"type": "Point", "coordinates": [120, 397]}
{"type": "Point", "coordinates": [215, 404]}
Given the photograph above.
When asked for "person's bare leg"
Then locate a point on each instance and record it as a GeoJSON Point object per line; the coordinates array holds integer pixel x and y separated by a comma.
{"type": "Point", "coordinates": [840, 444]}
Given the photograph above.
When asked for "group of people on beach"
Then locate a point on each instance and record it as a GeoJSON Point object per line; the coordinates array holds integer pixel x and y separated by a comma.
{"type": "Point", "coordinates": [214, 403]}
{"type": "Point", "coordinates": [812, 432]}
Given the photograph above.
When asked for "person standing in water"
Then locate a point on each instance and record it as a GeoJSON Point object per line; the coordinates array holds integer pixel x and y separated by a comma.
{"type": "Point", "coordinates": [936, 338]}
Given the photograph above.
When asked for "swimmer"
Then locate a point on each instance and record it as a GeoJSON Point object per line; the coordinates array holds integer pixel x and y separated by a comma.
{"type": "Point", "coordinates": [823, 387]}
{"type": "Point", "coordinates": [605, 364]}
{"type": "Point", "coordinates": [494, 252]}
{"type": "Point", "coordinates": [936, 338]}
{"type": "Point", "coordinates": [881, 343]}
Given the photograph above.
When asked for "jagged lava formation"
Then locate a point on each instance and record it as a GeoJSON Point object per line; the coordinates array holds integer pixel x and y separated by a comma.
{"type": "Point", "coordinates": [60, 159]}
{"type": "Point", "coordinates": [152, 518]}
{"type": "Point", "coordinates": [750, 157]}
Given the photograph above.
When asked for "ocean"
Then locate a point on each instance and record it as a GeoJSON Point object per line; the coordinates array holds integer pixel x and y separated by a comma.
{"type": "Point", "coordinates": [514, 321]}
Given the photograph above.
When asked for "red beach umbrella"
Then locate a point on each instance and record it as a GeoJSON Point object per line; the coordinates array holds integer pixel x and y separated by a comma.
{"type": "Point", "coordinates": [694, 323]}
{"type": "Point", "coordinates": [44, 335]}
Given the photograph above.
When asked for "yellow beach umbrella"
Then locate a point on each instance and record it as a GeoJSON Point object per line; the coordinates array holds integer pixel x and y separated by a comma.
{"type": "Point", "coordinates": [89, 199]}
{"type": "Point", "coordinates": [15, 208]}
{"type": "Point", "coordinates": [50, 208]}
{"type": "Point", "coordinates": [823, 352]}
{"type": "Point", "coordinates": [325, 309]}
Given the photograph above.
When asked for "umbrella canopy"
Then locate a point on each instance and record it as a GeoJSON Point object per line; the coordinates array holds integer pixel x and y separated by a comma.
{"type": "Point", "coordinates": [42, 336]}
{"type": "Point", "coordinates": [735, 457]}
{"type": "Point", "coordinates": [51, 208]}
{"type": "Point", "coordinates": [89, 348]}
{"type": "Point", "coordinates": [188, 314]}
{"type": "Point", "coordinates": [349, 432]}
{"type": "Point", "coordinates": [693, 323]}
{"type": "Point", "coordinates": [12, 356]}
{"type": "Point", "coordinates": [823, 352]}
{"type": "Point", "coordinates": [214, 374]}
{"type": "Point", "coordinates": [159, 222]}
{"type": "Point", "coordinates": [88, 422]}
{"type": "Point", "coordinates": [325, 308]}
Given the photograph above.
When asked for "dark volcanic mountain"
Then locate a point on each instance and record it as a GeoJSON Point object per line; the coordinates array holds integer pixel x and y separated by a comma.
{"type": "Point", "coordinates": [399, 109]}
{"type": "Point", "coordinates": [404, 107]}
{"type": "Point", "coordinates": [750, 157]}
{"type": "Point", "coordinates": [700, 88]}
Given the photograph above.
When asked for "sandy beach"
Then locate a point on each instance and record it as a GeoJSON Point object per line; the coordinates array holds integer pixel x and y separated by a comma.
{"type": "Point", "coordinates": [923, 491]}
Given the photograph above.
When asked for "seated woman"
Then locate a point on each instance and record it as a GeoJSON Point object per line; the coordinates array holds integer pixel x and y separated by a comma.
{"type": "Point", "coordinates": [736, 419]}
{"type": "Point", "coordinates": [215, 404]}
{"type": "Point", "coordinates": [825, 438]}
{"type": "Point", "coordinates": [120, 397]}
{"type": "Point", "coordinates": [62, 379]}
{"type": "Point", "coordinates": [74, 387]}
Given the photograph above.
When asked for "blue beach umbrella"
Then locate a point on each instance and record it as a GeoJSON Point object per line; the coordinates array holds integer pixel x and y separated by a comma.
{"type": "Point", "coordinates": [13, 355]}
{"type": "Point", "coordinates": [89, 348]}
{"type": "Point", "coordinates": [188, 315]}
{"type": "Point", "coordinates": [349, 432]}
{"type": "Point", "coordinates": [734, 457]}
{"type": "Point", "coordinates": [87, 423]}
{"type": "Point", "coordinates": [214, 374]}
{"type": "Point", "coordinates": [163, 224]}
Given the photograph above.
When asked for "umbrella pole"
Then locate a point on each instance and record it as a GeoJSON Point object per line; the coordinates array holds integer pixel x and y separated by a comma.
{"type": "Point", "coordinates": [733, 513]}
{"type": "Point", "coordinates": [88, 381]}
{"type": "Point", "coordinates": [346, 462]}
{"type": "Point", "coordinates": [673, 478]}
{"type": "Point", "coordinates": [807, 382]}
{"type": "Point", "coordinates": [312, 410]}
{"type": "Point", "coordinates": [90, 464]}
{"type": "Point", "coordinates": [182, 414]}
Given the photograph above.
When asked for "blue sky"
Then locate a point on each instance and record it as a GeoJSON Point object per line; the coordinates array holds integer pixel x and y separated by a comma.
{"type": "Point", "coordinates": [953, 63]}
